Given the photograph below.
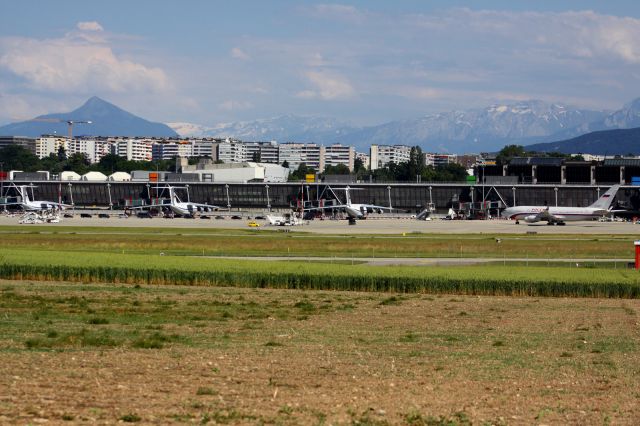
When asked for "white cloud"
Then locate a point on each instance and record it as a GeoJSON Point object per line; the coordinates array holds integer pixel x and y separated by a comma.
{"type": "Point", "coordinates": [234, 105]}
{"type": "Point", "coordinates": [90, 26]}
{"type": "Point", "coordinates": [73, 64]}
{"type": "Point", "coordinates": [238, 53]}
{"type": "Point", "coordinates": [340, 12]}
{"type": "Point", "coordinates": [327, 87]}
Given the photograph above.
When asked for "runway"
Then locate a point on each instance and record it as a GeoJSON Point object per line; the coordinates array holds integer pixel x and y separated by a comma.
{"type": "Point", "coordinates": [368, 226]}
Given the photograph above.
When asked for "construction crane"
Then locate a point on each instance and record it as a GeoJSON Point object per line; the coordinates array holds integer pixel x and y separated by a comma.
{"type": "Point", "coordinates": [70, 123]}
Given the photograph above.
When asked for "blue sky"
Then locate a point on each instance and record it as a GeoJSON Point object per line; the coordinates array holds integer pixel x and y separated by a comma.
{"type": "Point", "coordinates": [364, 62]}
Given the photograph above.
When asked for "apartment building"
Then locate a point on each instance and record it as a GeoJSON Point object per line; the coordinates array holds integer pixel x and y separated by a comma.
{"type": "Point", "coordinates": [339, 154]}
{"type": "Point", "coordinates": [28, 143]}
{"type": "Point", "coordinates": [295, 154]}
{"type": "Point", "coordinates": [232, 151]}
{"type": "Point", "coordinates": [431, 159]}
{"type": "Point", "coordinates": [266, 152]}
{"type": "Point", "coordinates": [381, 155]}
{"type": "Point", "coordinates": [133, 149]}
{"type": "Point", "coordinates": [50, 144]}
{"type": "Point", "coordinates": [93, 149]}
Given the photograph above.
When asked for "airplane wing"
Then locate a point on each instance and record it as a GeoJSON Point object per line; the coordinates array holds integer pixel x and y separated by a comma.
{"type": "Point", "coordinates": [334, 207]}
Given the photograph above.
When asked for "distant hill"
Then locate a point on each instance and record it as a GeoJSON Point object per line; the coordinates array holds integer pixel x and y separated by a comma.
{"type": "Point", "coordinates": [473, 130]}
{"type": "Point", "coordinates": [107, 120]}
{"type": "Point", "coordinates": [609, 142]}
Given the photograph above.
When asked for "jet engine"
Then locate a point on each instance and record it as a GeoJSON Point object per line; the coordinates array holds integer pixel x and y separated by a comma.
{"type": "Point", "coordinates": [531, 219]}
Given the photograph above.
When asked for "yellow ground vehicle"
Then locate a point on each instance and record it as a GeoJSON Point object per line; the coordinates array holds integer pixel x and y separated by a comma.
{"type": "Point", "coordinates": [253, 224]}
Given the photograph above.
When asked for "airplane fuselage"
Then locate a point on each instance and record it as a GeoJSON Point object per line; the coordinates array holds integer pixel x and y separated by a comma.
{"type": "Point", "coordinates": [566, 213]}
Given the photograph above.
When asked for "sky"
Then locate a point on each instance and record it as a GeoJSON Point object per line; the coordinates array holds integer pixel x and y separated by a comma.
{"type": "Point", "coordinates": [362, 62]}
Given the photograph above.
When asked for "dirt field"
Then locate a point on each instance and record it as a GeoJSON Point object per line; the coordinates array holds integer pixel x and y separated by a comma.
{"type": "Point", "coordinates": [109, 354]}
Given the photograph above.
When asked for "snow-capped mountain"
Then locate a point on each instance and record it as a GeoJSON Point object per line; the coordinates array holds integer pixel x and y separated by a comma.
{"type": "Point", "coordinates": [483, 129]}
{"type": "Point", "coordinates": [474, 130]}
{"type": "Point", "coordinates": [282, 129]}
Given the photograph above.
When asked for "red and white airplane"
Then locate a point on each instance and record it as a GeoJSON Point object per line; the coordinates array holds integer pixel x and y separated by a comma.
{"type": "Point", "coordinates": [560, 215]}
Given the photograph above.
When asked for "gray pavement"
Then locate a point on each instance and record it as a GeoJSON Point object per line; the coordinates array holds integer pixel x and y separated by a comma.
{"type": "Point", "coordinates": [369, 226]}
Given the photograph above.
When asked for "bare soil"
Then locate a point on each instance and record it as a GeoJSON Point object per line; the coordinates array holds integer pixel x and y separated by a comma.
{"type": "Point", "coordinates": [343, 358]}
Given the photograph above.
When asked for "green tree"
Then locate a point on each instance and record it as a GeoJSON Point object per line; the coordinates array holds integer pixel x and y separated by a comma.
{"type": "Point", "coordinates": [509, 152]}
{"type": "Point", "coordinates": [301, 172]}
{"type": "Point", "coordinates": [339, 169]}
{"type": "Point", "coordinates": [16, 157]}
{"type": "Point", "coordinates": [77, 162]}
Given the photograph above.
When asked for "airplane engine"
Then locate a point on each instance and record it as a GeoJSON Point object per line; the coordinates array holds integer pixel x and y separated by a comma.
{"type": "Point", "coordinates": [379, 211]}
{"type": "Point", "coordinates": [531, 219]}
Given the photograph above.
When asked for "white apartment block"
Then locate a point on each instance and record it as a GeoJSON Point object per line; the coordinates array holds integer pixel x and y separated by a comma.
{"type": "Point", "coordinates": [169, 150]}
{"type": "Point", "coordinates": [295, 154]}
{"type": "Point", "coordinates": [339, 154]}
{"type": "Point", "coordinates": [436, 160]}
{"type": "Point", "coordinates": [93, 149]}
{"type": "Point", "coordinates": [364, 158]}
{"type": "Point", "coordinates": [47, 145]}
{"type": "Point", "coordinates": [381, 155]}
{"type": "Point", "coordinates": [267, 151]}
{"type": "Point", "coordinates": [133, 149]}
{"type": "Point", "coordinates": [231, 151]}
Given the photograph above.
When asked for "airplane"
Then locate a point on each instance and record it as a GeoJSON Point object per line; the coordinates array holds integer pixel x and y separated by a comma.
{"type": "Point", "coordinates": [178, 206]}
{"type": "Point", "coordinates": [33, 205]}
{"type": "Point", "coordinates": [354, 211]}
{"type": "Point", "coordinates": [560, 215]}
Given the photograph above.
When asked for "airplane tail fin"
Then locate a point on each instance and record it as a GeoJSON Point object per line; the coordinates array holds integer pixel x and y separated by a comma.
{"type": "Point", "coordinates": [604, 202]}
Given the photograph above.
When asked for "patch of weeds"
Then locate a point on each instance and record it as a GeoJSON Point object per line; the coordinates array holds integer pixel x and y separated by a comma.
{"type": "Point", "coordinates": [498, 343]}
{"type": "Point", "coordinates": [346, 307]}
{"type": "Point", "coordinates": [305, 306]}
{"type": "Point", "coordinates": [271, 343]}
{"type": "Point", "coordinates": [52, 334]}
{"type": "Point", "coordinates": [463, 314]}
{"type": "Point", "coordinates": [37, 343]}
{"type": "Point", "coordinates": [366, 419]}
{"type": "Point", "coordinates": [566, 355]}
{"type": "Point", "coordinates": [130, 418]}
{"type": "Point", "coordinates": [206, 391]}
{"type": "Point", "coordinates": [226, 315]}
{"type": "Point", "coordinates": [581, 328]}
{"type": "Point", "coordinates": [98, 321]}
{"type": "Point", "coordinates": [136, 303]}
{"type": "Point", "coordinates": [393, 300]}
{"type": "Point", "coordinates": [286, 409]}
{"type": "Point", "coordinates": [67, 417]}
{"type": "Point", "coordinates": [629, 311]}
{"type": "Point", "coordinates": [409, 338]}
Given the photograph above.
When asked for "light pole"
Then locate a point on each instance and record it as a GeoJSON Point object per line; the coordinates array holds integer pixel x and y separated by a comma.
{"type": "Point", "coordinates": [431, 206]}
{"type": "Point", "coordinates": [268, 199]}
{"type": "Point", "coordinates": [226, 187]}
{"type": "Point", "coordinates": [73, 206]}
{"type": "Point", "coordinates": [389, 191]}
{"type": "Point", "coordinates": [555, 189]}
{"type": "Point", "coordinates": [109, 191]}
{"type": "Point", "coordinates": [1, 179]}
{"type": "Point", "coordinates": [513, 189]}
{"type": "Point", "coordinates": [598, 189]}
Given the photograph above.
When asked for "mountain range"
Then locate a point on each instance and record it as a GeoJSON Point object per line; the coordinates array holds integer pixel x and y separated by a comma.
{"type": "Point", "coordinates": [106, 120]}
{"type": "Point", "coordinates": [528, 123]}
{"type": "Point", "coordinates": [473, 130]}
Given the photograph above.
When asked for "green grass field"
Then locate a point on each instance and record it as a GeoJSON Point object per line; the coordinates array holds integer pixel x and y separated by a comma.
{"type": "Point", "coordinates": [262, 242]}
{"type": "Point", "coordinates": [147, 257]}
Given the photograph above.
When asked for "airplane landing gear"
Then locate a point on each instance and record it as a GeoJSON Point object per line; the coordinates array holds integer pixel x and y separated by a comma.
{"type": "Point", "coordinates": [517, 222]}
{"type": "Point", "coordinates": [352, 221]}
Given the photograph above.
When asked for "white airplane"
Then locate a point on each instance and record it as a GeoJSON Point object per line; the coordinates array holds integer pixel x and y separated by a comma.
{"type": "Point", "coordinates": [354, 211]}
{"type": "Point", "coordinates": [178, 206]}
{"type": "Point", "coordinates": [560, 215]}
{"type": "Point", "coordinates": [33, 205]}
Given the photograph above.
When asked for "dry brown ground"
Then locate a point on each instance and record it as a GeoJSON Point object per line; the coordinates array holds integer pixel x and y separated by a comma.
{"type": "Point", "coordinates": [416, 358]}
